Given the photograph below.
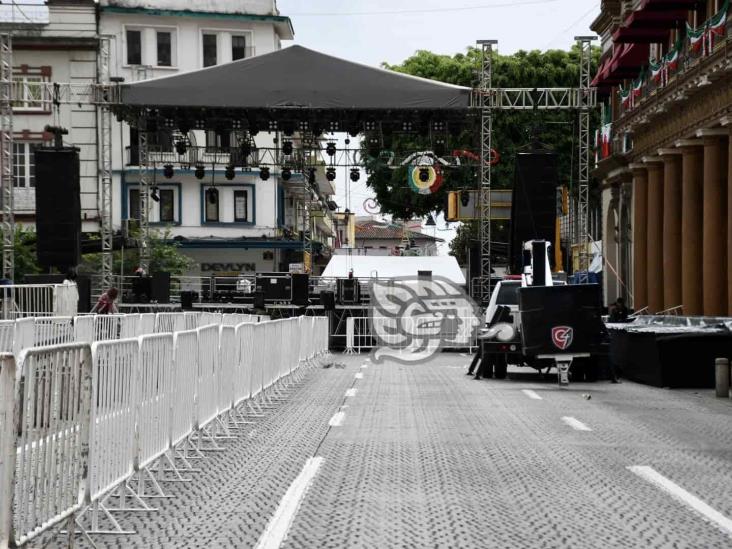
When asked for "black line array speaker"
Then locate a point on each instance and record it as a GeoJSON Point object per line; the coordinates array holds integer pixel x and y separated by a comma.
{"type": "Point", "coordinates": [160, 287]}
{"type": "Point", "coordinates": [58, 207]}
{"type": "Point", "coordinates": [533, 211]}
{"type": "Point", "coordinates": [300, 290]}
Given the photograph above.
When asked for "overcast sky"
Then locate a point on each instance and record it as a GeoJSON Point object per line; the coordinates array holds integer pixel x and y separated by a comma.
{"type": "Point", "coordinates": [377, 31]}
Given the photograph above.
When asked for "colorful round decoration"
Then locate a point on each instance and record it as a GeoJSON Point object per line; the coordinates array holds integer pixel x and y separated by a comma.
{"type": "Point", "coordinates": [425, 179]}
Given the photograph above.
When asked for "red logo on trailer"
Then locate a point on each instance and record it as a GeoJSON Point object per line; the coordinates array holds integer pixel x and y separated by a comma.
{"type": "Point", "coordinates": [562, 337]}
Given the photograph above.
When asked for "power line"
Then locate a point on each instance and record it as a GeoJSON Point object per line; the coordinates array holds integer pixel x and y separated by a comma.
{"type": "Point", "coordinates": [572, 25]}
{"type": "Point", "coordinates": [426, 10]}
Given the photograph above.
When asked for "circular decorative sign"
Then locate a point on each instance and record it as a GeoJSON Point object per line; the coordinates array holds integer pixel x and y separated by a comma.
{"type": "Point", "coordinates": [425, 179]}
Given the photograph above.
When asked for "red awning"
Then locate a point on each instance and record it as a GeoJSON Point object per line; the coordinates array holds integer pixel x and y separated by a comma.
{"type": "Point", "coordinates": [628, 60]}
{"type": "Point", "coordinates": [653, 19]}
{"type": "Point", "coordinates": [663, 5]}
{"type": "Point", "coordinates": [625, 35]}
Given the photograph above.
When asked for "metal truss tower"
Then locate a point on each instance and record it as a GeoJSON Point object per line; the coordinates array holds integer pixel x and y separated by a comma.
{"type": "Point", "coordinates": [143, 153]}
{"type": "Point", "coordinates": [105, 163]}
{"type": "Point", "coordinates": [6, 153]}
{"type": "Point", "coordinates": [490, 99]}
{"type": "Point", "coordinates": [486, 131]}
{"type": "Point", "coordinates": [583, 180]}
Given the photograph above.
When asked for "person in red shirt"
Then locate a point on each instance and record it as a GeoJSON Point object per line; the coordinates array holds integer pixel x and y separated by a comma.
{"type": "Point", "coordinates": [105, 305]}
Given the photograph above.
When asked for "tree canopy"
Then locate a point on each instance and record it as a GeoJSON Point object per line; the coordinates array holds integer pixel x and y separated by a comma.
{"type": "Point", "coordinates": [512, 130]}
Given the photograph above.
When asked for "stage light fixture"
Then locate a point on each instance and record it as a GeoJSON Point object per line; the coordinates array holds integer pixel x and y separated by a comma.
{"type": "Point", "coordinates": [465, 198]}
{"type": "Point", "coordinates": [424, 175]}
{"type": "Point", "coordinates": [332, 205]}
{"type": "Point", "coordinates": [286, 174]}
{"type": "Point", "coordinates": [355, 174]}
{"type": "Point", "coordinates": [200, 171]}
{"type": "Point", "coordinates": [181, 147]}
{"type": "Point", "coordinates": [287, 148]}
{"type": "Point", "coordinates": [330, 174]}
{"type": "Point", "coordinates": [168, 171]}
{"type": "Point", "coordinates": [330, 148]}
{"type": "Point", "coordinates": [229, 172]}
{"type": "Point", "coordinates": [264, 173]}
{"type": "Point", "coordinates": [212, 195]}
{"type": "Point", "coordinates": [373, 146]}
{"type": "Point", "coordinates": [154, 194]}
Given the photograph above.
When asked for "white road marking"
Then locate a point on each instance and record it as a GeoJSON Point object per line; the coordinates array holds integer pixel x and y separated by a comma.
{"type": "Point", "coordinates": [351, 392]}
{"type": "Point", "coordinates": [280, 523]}
{"type": "Point", "coordinates": [337, 419]}
{"type": "Point", "coordinates": [575, 424]}
{"type": "Point", "coordinates": [678, 493]}
{"type": "Point", "coordinates": [531, 394]}
{"type": "Point", "coordinates": [359, 375]}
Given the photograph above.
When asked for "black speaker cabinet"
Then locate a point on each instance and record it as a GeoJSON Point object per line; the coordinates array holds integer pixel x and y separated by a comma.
{"type": "Point", "coordinates": [258, 300]}
{"type": "Point", "coordinates": [349, 291]}
{"type": "Point", "coordinates": [327, 300]}
{"type": "Point", "coordinates": [275, 287]}
{"type": "Point", "coordinates": [300, 290]}
{"type": "Point", "coordinates": [533, 210]}
{"type": "Point", "coordinates": [161, 287]}
{"type": "Point", "coordinates": [58, 207]}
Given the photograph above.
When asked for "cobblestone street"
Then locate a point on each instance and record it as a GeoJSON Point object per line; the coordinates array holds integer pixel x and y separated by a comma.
{"type": "Point", "coordinates": [424, 456]}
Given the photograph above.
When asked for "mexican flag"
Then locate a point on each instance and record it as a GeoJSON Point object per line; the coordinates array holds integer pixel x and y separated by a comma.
{"type": "Point", "coordinates": [658, 71]}
{"type": "Point", "coordinates": [626, 98]}
{"type": "Point", "coordinates": [637, 88]}
{"type": "Point", "coordinates": [606, 139]}
{"type": "Point", "coordinates": [671, 59]}
{"type": "Point", "coordinates": [701, 38]}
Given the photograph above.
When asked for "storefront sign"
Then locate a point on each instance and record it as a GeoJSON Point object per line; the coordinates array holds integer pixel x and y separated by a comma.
{"type": "Point", "coordinates": [229, 267]}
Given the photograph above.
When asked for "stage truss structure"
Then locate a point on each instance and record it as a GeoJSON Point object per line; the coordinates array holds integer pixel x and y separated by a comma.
{"type": "Point", "coordinates": [105, 95]}
{"type": "Point", "coordinates": [489, 99]}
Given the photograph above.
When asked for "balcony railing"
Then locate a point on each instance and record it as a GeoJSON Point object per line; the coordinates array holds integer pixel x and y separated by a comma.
{"type": "Point", "coordinates": [218, 156]}
{"type": "Point", "coordinates": [689, 61]}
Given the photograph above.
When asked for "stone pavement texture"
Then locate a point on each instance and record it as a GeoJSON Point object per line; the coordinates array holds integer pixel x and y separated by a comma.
{"type": "Point", "coordinates": [428, 457]}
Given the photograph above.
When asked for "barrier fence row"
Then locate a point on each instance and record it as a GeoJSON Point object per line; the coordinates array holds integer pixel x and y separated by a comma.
{"type": "Point", "coordinates": [82, 423]}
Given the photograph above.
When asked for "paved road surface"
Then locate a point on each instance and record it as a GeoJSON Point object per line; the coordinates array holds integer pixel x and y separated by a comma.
{"type": "Point", "coordinates": [425, 456]}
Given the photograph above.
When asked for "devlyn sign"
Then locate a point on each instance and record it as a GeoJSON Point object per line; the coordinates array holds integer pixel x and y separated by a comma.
{"type": "Point", "coordinates": [229, 267]}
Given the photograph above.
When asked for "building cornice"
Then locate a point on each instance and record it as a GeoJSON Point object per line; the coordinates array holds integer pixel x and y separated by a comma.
{"type": "Point", "coordinates": [287, 33]}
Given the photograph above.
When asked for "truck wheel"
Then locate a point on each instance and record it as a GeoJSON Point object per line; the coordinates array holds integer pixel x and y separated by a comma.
{"type": "Point", "coordinates": [500, 367]}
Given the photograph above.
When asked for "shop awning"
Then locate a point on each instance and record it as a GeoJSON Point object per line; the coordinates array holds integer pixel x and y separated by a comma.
{"type": "Point", "coordinates": [628, 60]}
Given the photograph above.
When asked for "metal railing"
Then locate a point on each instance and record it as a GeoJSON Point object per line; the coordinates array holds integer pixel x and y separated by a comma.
{"type": "Point", "coordinates": [20, 300]}
{"type": "Point", "coordinates": [82, 424]}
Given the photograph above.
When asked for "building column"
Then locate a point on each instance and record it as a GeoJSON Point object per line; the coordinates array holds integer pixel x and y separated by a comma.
{"type": "Point", "coordinates": [640, 235]}
{"type": "Point", "coordinates": [671, 227]}
{"type": "Point", "coordinates": [692, 178]}
{"type": "Point", "coordinates": [626, 240]}
{"type": "Point", "coordinates": [654, 236]}
{"type": "Point", "coordinates": [714, 250]}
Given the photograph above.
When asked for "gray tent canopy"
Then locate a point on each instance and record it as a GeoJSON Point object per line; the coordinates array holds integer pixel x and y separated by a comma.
{"type": "Point", "coordinates": [296, 77]}
{"type": "Point", "coordinates": [294, 84]}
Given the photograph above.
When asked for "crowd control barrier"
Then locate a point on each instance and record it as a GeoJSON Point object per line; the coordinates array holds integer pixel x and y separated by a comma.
{"type": "Point", "coordinates": [83, 422]}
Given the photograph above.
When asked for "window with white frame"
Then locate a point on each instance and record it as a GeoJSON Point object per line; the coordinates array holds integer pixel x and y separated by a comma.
{"type": "Point", "coordinates": [163, 210]}
{"type": "Point", "coordinates": [164, 40]}
{"type": "Point", "coordinates": [30, 92]}
{"type": "Point", "coordinates": [238, 47]}
{"type": "Point", "coordinates": [228, 204]}
{"type": "Point", "coordinates": [24, 164]}
{"type": "Point", "coordinates": [210, 49]}
{"type": "Point", "coordinates": [134, 46]}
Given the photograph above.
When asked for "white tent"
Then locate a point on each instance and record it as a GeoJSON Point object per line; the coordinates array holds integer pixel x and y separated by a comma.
{"type": "Point", "coordinates": [365, 266]}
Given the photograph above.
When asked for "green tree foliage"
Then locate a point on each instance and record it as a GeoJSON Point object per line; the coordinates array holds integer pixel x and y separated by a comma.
{"type": "Point", "coordinates": [25, 253]}
{"type": "Point", "coordinates": [512, 131]}
{"type": "Point", "coordinates": [165, 256]}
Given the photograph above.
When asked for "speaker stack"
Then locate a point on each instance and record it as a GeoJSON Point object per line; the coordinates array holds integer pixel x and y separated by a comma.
{"type": "Point", "coordinates": [58, 207]}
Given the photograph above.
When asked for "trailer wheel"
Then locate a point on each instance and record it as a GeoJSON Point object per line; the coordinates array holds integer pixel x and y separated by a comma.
{"type": "Point", "coordinates": [500, 367]}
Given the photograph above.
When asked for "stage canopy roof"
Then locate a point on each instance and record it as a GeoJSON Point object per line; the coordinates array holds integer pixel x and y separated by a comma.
{"type": "Point", "coordinates": [289, 84]}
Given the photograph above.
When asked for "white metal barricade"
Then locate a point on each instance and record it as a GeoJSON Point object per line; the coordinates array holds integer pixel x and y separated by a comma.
{"type": "Point", "coordinates": [208, 353]}
{"type": "Point", "coordinates": [183, 378]}
{"type": "Point", "coordinates": [25, 334]}
{"type": "Point", "coordinates": [84, 328]}
{"type": "Point", "coordinates": [115, 374]}
{"type": "Point", "coordinates": [107, 327]}
{"type": "Point", "coordinates": [243, 370]}
{"type": "Point", "coordinates": [147, 324]}
{"type": "Point", "coordinates": [129, 326]}
{"type": "Point", "coordinates": [228, 360]}
{"type": "Point", "coordinates": [7, 335]}
{"type": "Point", "coordinates": [233, 319]}
{"type": "Point", "coordinates": [192, 320]}
{"type": "Point", "coordinates": [258, 351]}
{"type": "Point", "coordinates": [22, 300]}
{"type": "Point", "coordinates": [52, 443]}
{"type": "Point", "coordinates": [7, 443]}
{"type": "Point", "coordinates": [153, 418]}
{"type": "Point", "coordinates": [53, 330]}
{"type": "Point", "coordinates": [169, 322]}
{"type": "Point", "coordinates": [209, 318]}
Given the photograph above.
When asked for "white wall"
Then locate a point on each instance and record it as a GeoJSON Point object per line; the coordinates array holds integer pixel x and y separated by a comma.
{"type": "Point", "coordinates": [259, 7]}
